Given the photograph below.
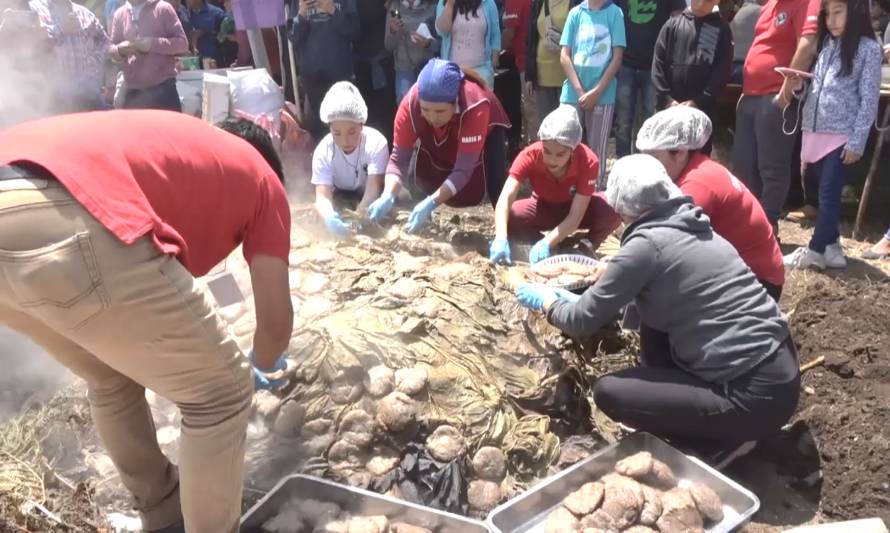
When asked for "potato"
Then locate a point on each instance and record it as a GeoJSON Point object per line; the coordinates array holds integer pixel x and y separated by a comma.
{"type": "Point", "coordinates": [489, 463]}
{"type": "Point", "coordinates": [484, 495]}
{"type": "Point", "coordinates": [445, 444]}
{"type": "Point", "coordinates": [380, 381]}
{"type": "Point", "coordinates": [396, 412]}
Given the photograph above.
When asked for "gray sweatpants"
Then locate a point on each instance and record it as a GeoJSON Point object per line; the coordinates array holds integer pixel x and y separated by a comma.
{"type": "Point", "coordinates": [546, 100]}
{"type": "Point", "coordinates": [598, 125]}
{"type": "Point", "coordinates": [762, 153]}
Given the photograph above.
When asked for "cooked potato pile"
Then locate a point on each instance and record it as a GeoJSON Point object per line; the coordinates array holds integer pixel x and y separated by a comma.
{"type": "Point", "coordinates": [640, 496]}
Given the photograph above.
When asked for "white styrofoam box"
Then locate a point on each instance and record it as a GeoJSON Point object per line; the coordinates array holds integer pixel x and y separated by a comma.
{"type": "Point", "coordinates": [215, 98]}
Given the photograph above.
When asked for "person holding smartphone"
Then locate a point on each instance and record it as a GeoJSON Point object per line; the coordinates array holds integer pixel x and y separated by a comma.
{"type": "Point", "coordinates": [410, 48]}
{"type": "Point", "coordinates": [147, 37]}
{"type": "Point", "coordinates": [323, 34]}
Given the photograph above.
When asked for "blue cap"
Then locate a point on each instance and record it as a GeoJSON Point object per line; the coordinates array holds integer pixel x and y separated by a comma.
{"type": "Point", "coordinates": [439, 82]}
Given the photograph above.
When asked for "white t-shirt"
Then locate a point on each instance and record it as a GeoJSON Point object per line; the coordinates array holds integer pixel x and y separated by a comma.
{"type": "Point", "coordinates": [349, 172]}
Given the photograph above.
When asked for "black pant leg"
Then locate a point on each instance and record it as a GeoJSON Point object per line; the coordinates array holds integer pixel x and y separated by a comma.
{"type": "Point", "coordinates": [655, 348]}
{"type": "Point", "coordinates": [674, 403]}
{"type": "Point", "coordinates": [316, 89]}
{"type": "Point", "coordinates": [495, 161]}
{"type": "Point", "coordinates": [775, 291]}
{"type": "Point", "coordinates": [381, 101]}
{"type": "Point", "coordinates": [508, 89]}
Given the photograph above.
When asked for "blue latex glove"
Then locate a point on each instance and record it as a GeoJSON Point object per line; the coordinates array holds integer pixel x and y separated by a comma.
{"type": "Point", "coordinates": [539, 252]}
{"type": "Point", "coordinates": [336, 225]}
{"type": "Point", "coordinates": [420, 216]}
{"type": "Point", "coordinates": [568, 296]}
{"type": "Point", "coordinates": [532, 295]}
{"type": "Point", "coordinates": [381, 207]}
{"type": "Point", "coordinates": [260, 380]}
{"type": "Point", "coordinates": [500, 252]}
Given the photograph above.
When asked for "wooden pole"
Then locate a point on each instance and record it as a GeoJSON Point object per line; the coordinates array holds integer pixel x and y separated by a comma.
{"type": "Point", "coordinates": [812, 364]}
{"type": "Point", "coordinates": [873, 169]}
{"type": "Point", "coordinates": [293, 69]}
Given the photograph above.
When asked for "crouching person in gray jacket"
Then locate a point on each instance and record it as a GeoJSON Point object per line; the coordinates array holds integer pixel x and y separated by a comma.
{"type": "Point", "coordinates": [717, 359]}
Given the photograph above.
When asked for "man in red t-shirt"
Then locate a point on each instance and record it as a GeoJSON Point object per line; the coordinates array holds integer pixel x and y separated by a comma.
{"type": "Point", "coordinates": [675, 137]}
{"type": "Point", "coordinates": [562, 173]}
{"type": "Point", "coordinates": [785, 35]}
{"type": "Point", "coordinates": [509, 80]}
{"type": "Point", "coordinates": [105, 221]}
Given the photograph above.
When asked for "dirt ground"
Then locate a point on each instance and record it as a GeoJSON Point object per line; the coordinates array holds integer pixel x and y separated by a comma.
{"type": "Point", "coordinates": [830, 464]}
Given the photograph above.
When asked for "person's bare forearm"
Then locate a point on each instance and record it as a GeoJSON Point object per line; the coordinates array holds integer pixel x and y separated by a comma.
{"type": "Point", "coordinates": [269, 278]}
{"type": "Point", "coordinates": [444, 22]}
{"type": "Point", "coordinates": [502, 215]}
{"type": "Point", "coordinates": [612, 69]}
{"type": "Point", "coordinates": [565, 59]}
{"type": "Point", "coordinates": [442, 195]}
{"type": "Point", "coordinates": [570, 224]}
{"type": "Point", "coordinates": [268, 347]}
{"type": "Point", "coordinates": [805, 53]}
{"type": "Point", "coordinates": [324, 200]}
{"type": "Point", "coordinates": [392, 185]}
{"type": "Point", "coordinates": [507, 38]}
{"type": "Point", "coordinates": [372, 191]}
{"type": "Point", "coordinates": [563, 230]}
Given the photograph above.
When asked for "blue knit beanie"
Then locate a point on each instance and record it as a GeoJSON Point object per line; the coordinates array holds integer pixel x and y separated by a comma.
{"type": "Point", "coordinates": [439, 82]}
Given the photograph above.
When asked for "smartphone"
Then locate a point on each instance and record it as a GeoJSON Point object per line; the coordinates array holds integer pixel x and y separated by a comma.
{"type": "Point", "coordinates": [395, 13]}
{"type": "Point", "coordinates": [792, 73]}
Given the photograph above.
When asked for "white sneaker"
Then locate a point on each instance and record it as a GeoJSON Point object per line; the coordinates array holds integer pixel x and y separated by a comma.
{"type": "Point", "coordinates": [803, 258]}
{"type": "Point", "coordinates": [834, 256]}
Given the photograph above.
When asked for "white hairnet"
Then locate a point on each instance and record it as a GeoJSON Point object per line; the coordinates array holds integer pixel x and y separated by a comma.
{"type": "Point", "coordinates": [637, 184]}
{"type": "Point", "coordinates": [343, 102]}
{"type": "Point", "coordinates": [563, 126]}
{"type": "Point", "coordinates": [676, 128]}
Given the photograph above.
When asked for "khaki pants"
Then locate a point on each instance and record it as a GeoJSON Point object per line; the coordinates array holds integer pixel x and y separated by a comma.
{"type": "Point", "coordinates": [126, 318]}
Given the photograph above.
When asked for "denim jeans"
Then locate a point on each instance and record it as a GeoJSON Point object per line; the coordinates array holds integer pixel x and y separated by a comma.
{"type": "Point", "coordinates": [832, 175]}
{"type": "Point", "coordinates": [161, 96]}
{"type": "Point", "coordinates": [404, 81]}
{"type": "Point", "coordinates": [633, 84]}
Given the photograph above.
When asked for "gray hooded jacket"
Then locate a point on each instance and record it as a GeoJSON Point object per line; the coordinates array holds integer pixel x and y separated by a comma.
{"type": "Point", "coordinates": [690, 283]}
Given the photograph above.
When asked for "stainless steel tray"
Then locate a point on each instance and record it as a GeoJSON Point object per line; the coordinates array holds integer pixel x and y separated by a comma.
{"type": "Point", "coordinates": [528, 512]}
{"type": "Point", "coordinates": [355, 501]}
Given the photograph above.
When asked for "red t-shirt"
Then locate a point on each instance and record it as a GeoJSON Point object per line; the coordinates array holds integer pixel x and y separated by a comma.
{"type": "Point", "coordinates": [516, 13]}
{"type": "Point", "coordinates": [735, 214]}
{"type": "Point", "coordinates": [781, 24]}
{"type": "Point", "coordinates": [581, 174]}
{"type": "Point", "coordinates": [196, 189]}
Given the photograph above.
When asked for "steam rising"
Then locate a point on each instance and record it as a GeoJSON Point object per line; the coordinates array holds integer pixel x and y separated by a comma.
{"type": "Point", "coordinates": [30, 376]}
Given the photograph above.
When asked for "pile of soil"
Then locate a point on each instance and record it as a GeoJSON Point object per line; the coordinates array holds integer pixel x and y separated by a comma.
{"type": "Point", "coordinates": [846, 403]}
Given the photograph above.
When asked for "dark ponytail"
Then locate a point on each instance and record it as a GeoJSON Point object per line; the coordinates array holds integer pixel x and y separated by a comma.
{"type": "Point", "coordinates": [465, 6]}
{"type": "Point", "coordinates": [858, 26]}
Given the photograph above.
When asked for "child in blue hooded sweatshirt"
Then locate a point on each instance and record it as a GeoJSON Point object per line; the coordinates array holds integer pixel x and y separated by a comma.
{"type": "Point", "coordinates": [841, 105]}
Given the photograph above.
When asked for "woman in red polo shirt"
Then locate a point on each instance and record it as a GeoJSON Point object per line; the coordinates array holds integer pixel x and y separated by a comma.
{"type": "Point", "coordinates": [562, 173]}
{"type": "Point", "coordinates": [674, 137]}
{"type": "Point", "coordinates": [462, 154]}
